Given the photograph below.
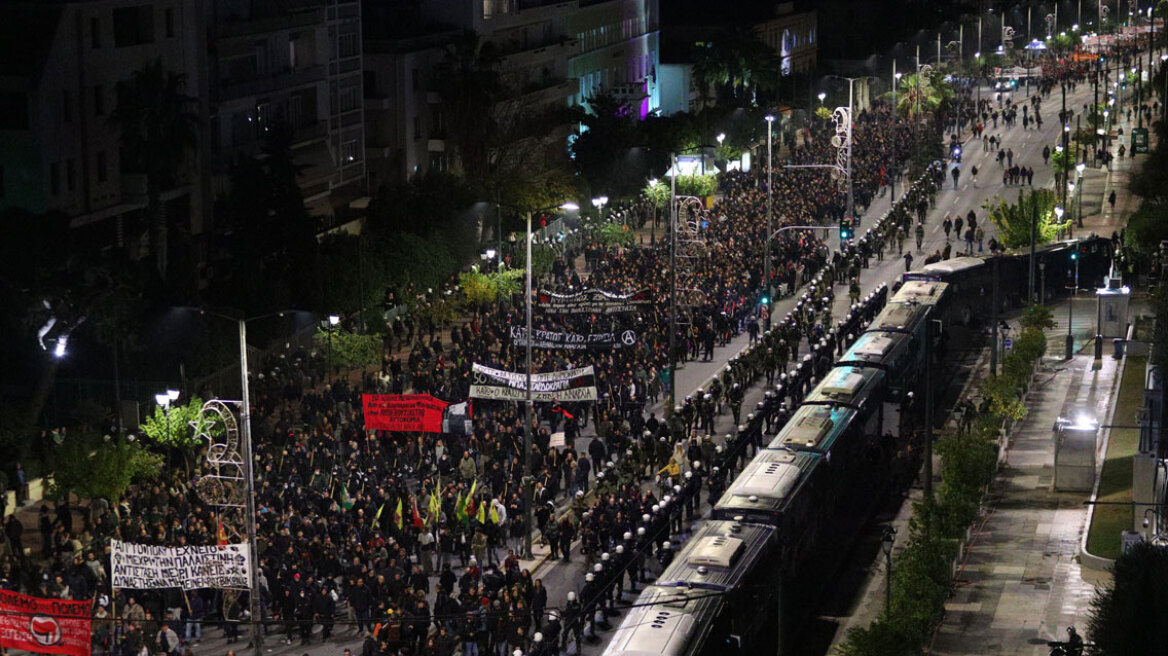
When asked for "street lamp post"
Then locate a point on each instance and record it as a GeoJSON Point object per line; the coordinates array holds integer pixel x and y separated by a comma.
{"type": "Point", "coordinates": [599, 204]}
{"type": "Point", "coordinates": [1079, 197]}
{"type": "Point", "coordinates": [886, 542]}
{"type": "Point", "coordinates": [1071, 304]}
{"type": "Point", "coordinates": [766, 257]}
{"type": "Point", "coordinates": [255, 610]}
{"type": "Point", "coordinates": [333, 320]}
{"type": "Point", "coordinates": [528, 433]}
{"type": "Point", "coordinates": [164, 400]}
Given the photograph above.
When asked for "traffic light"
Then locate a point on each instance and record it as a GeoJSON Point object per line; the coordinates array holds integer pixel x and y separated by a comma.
{"type": "Point", "coordinates": [765, 300]}
{"type": "Point", "coordinates": [845, 230]}
{"type": "Point", "coordinates": [1074, 256]}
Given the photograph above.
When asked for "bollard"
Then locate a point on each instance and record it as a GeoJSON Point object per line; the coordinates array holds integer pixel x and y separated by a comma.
{"type": "Point", "coordinates": [1098, 347]}
{"type": "Point", "coordinates": [1117, 344]}
{"type": "Point", "coordinates": [1070, 347]}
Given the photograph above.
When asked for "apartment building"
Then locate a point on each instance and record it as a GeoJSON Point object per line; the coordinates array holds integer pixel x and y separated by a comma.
{"type": "Point", "coordinates": [60, 66]}
{"type": "Point", "coordinates": [552, 55]}
{"type": "Point", "coordinates": [246, 64]}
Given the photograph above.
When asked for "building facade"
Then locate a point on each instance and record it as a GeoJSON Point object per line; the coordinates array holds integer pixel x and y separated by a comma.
{"type": "Point", "coordinates": [553, 55]}
{"type": "Point", "coordinates": [794, 37]}
{"type": "Point", "coordinates": [246, 64]}
{"type": "Point", "coordinates": [60, 67]}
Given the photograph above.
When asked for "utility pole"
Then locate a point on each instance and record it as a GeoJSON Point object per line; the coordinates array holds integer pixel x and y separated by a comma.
{"type": "Point", "coordinates": [253, 595]}
{"type": "Point", "coordinates": [672, 396]}
{"type": "Point", "coordinates": [994, 322]}
{"type": "Point", "coordinates": [1033, 243]}
{"type": "Point", "coordinates": [928, 476]}
{"type": "Point", "coordinates": [894, 169]}
{"type": "Point", "coordinates": [528, 433]}
{"type": "Point", "coordinates": [766, 258]}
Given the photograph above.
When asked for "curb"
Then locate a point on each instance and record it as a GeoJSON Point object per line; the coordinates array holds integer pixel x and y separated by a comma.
{"type": "Point", "coordinates": [1087, 559]}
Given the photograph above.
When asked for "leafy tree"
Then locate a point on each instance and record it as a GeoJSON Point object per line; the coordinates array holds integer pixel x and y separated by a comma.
{"type": "Point", "coordinates": [1127, 617]}
{"type": "Point", "coordinates": [469, 82]}
{"type": "Point", "coordinates": [274, 244]}
{"type": "Point", "coordinates": [481, 289]}
{"type": "Point", "coordinates": [696, 185]}
{"type": "Point", "coordinates": [615, 234]}
{"type": "Point", "coordinates": [52, 300]}
{"type": "Point", "coordinates": [156, 128]}
{"type": "Point", "coordinates": [542, 259]}
{"type": "Point", "coordinates": [93, 469]}
{"type": "Point", "coordinates": [1015, 221]}
{"type": "Point", "coordinates": [349, 349]}
{"type": "Point", "coordinates": [1159, 355]}
{"type": "Point", "coordinates": [178, 428]}
{"type": "Point", "coordinates": [606, 150]}
{"type": "Point", "coordinates": [1037, 316]}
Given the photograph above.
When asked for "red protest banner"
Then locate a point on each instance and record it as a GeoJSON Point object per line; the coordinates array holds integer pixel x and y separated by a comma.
{"type": "Point", "coordinates": [44, 626]}
{"type": "Point", "coordinates": [403, 412]}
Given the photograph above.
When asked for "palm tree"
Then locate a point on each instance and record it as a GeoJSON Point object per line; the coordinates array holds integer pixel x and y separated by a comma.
{"type": "Point", "coordinates": [156, 131]}
{"type": "Point", "coordinates": [921, 95]}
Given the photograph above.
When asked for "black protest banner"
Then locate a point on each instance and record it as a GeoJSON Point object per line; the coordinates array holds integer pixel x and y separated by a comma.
{"type": "Point", "coordinates": [553, 339]}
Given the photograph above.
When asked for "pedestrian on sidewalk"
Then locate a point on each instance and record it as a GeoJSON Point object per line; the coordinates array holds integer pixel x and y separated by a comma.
{"type": "Point", "coordinates": [1111, 200]}
{"type": "Point", "coordinates": [908, 258]}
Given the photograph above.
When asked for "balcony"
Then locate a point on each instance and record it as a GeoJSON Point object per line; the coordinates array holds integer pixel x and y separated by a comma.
{"type": "Point", "coordinates": [546, 91]}
{"type": "Point", "coordinates": [286, 81]}
{"type": "Point", "coordinates": [309, 14]}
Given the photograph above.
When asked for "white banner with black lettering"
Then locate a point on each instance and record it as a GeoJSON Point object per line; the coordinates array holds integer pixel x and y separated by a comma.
{"type": "Point", "coordinates": [594, 301]}
{"type": "Point", "coordinates": [571, 385]}
{"type": "Point", "coordinates": [144, 567]}
{"type": "Point", "coordinates": [557, 339]}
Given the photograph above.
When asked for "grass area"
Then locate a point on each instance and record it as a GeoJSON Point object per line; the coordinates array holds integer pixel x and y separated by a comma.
{"type": "Point", "coordinates": [1115, 483]}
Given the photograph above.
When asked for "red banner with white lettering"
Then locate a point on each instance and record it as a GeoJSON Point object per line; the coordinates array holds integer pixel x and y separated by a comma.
{"type": "Point", "coordinates": [403, 412]}
{"type": "Point", "coordinates": [44, 626]}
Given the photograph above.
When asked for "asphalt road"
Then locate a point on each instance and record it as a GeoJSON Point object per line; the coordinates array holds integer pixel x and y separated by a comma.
{"type": "Point", "coordinates": [560, 577]}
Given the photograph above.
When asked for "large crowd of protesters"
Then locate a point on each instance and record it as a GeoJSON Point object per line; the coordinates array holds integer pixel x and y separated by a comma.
{"type": "Point", "coordinates": [413, 540]}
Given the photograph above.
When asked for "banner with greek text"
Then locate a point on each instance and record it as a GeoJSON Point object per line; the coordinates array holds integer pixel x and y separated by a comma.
{"type": "Point", "coordinates": [554, 339]}
{"type": "Point", "coordinates": [403, 412]}
{"type": "Point", "coordinates": [593, 301]}
{"type": "Point", "coordinates": [144, 567]}
{"type": "Point", "coordinates": [570, 385]}
{"type": "Point", "coordinates": [44, 626]}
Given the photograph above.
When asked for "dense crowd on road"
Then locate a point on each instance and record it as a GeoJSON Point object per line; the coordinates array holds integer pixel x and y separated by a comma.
{"type": "Point", "coordinates": [413, 539]}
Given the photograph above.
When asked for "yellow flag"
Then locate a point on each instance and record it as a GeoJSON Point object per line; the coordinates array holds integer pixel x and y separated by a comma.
{"type": "Point", "coordinates": [397, 516]}
{"type": "Point", "coordinates": [482, 516]}
{"type": "Point", "coordinates": [494, 515]}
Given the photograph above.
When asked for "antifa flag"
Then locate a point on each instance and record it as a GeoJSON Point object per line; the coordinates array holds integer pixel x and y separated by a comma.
{"type": "Point", "coordinates": [570, 385]}
{"type": "Point", "coordinates": [44, 626]}
{"type": "Point", "coordinates": [403, 412]}
{"type": "Point", "coordinates": [593, 301]}
{"type": "Point", "coordinates": [552, 339]}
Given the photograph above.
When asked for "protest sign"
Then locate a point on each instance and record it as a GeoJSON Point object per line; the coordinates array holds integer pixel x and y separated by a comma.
{"type": "Point", "coordinates": [44, 626]}
{"type": "Point", "coordinates": [144, 567]}
{"type": "Point", "coordinates": [403, 412]}
{"type": "Point", "coordinates": [570, 385]}
{"type": "Point", "coordinates": [593, 301]}
{"type": "Point", "coordinates": [554, 339]}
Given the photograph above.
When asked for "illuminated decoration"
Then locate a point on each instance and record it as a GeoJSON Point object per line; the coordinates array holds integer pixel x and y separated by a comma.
{"type": "Point", "coordinates": [224, 485]}
{"type": "Point", "coordinates": [1007, 36]}
{"type": "Point", "coordinates": [842, 117]}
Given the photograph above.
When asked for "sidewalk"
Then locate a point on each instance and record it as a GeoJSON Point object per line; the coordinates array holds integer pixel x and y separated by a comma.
{"type": "Point", "coordinates": [1020, 583]}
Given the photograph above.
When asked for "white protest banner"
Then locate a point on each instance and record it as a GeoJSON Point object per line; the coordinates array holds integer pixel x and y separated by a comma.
{"type": "Point", "coordinates": [144, 567]}
{"type": "Point", "coordinates": [594, 301]}
{"type": "Point", "coordinates": [571, 385]}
